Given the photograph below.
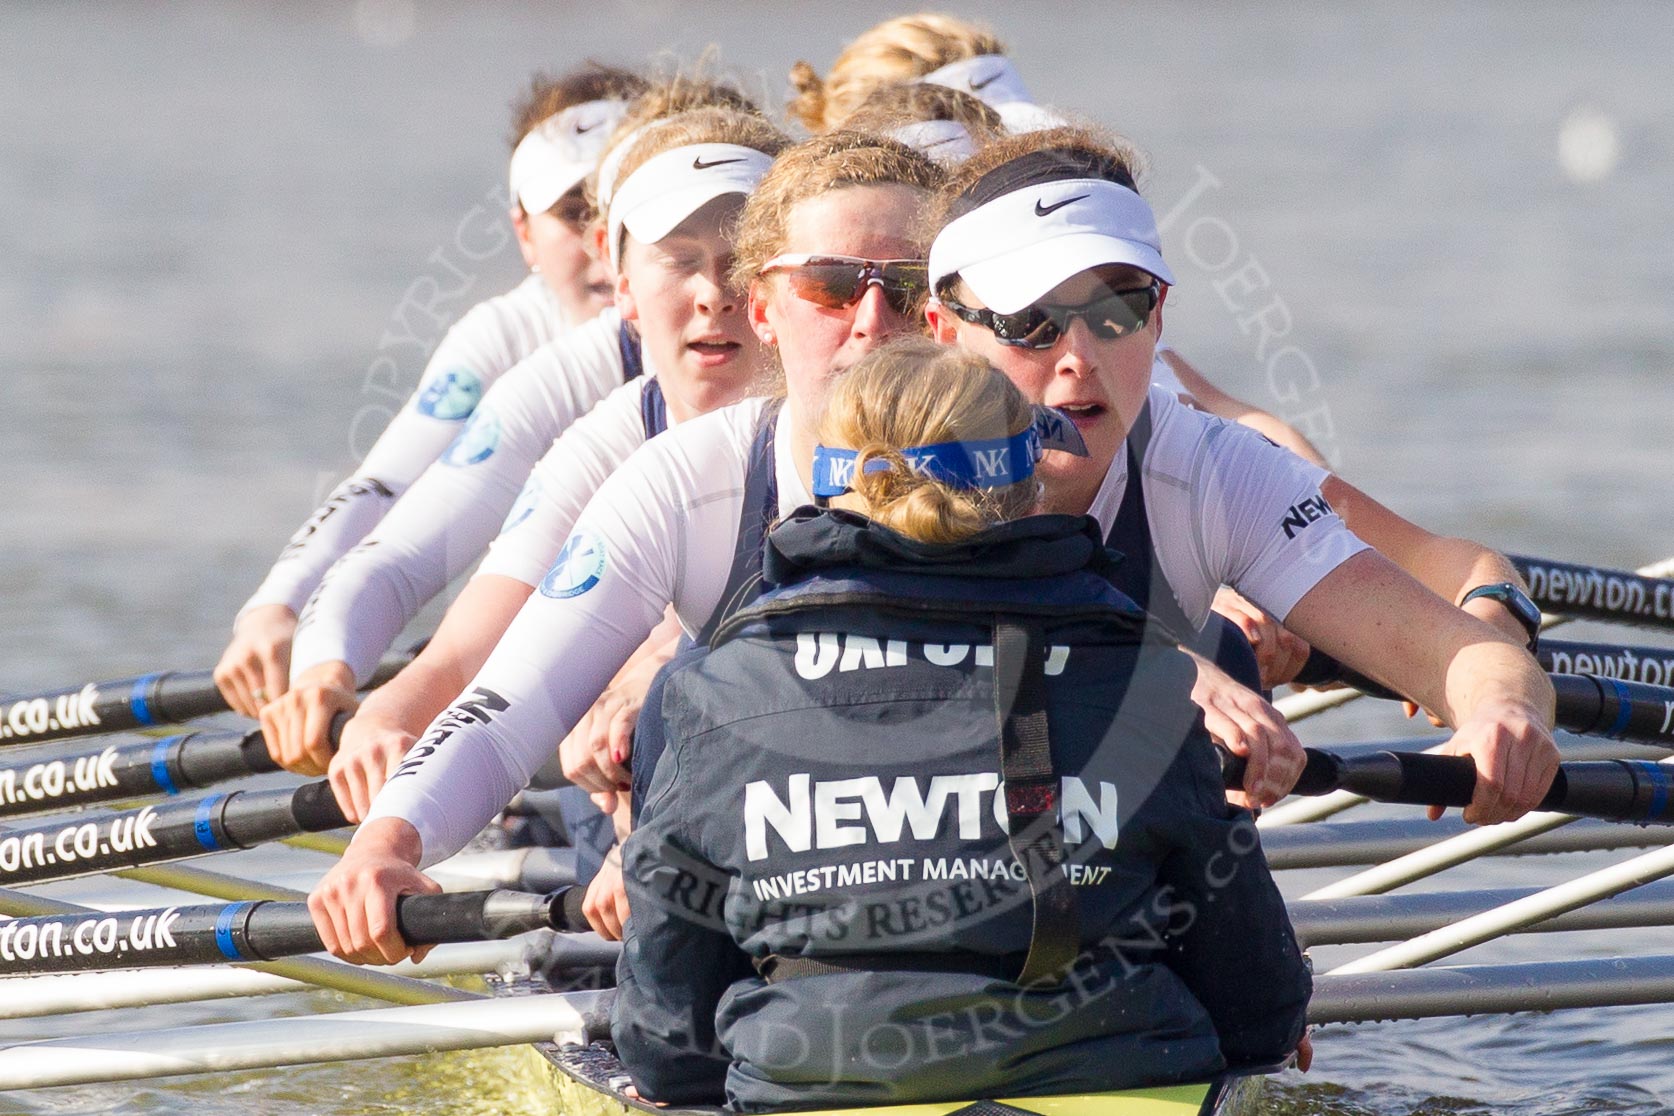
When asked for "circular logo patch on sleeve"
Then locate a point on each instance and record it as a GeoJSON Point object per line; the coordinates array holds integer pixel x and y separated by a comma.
{"type": "Point", "coordinates": [476, 442]}
{"type": "Point", "coordinates": [525, 506]}
{"type": "Point", "coordinates": [451, 396]}
{"type": "Point", "coordinates": [578, 568]}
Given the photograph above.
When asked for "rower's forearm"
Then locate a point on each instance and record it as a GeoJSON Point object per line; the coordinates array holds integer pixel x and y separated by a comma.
{"type": "Point", "coordinates": [416, 696]}
{"type": "Point", "coordinates": [1497, 673]}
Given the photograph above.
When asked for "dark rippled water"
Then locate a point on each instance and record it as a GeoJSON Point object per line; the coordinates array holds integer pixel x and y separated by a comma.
{"type": "Point", "coordinates": [210, 217]}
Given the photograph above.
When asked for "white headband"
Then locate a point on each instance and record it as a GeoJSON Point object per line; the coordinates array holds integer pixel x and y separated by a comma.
{"type": "Point", "coordinates": [991, 78]}
{"type": "Point", "coordinates": [945, 141]}
{"type": "Point", "coordinates": [611, 165]}
{"type": "Point", "coordinates": [559, 152]}
{"type": "Point", "coordinates": [668, 188]}
{"type": "Point", "coordinates": [1015, 248]}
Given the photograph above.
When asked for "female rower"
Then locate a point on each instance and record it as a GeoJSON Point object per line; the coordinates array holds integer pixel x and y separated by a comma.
{"type": "Point", "coordinates": [561, 127]}
{"type": "Point", "coordinates": [943, 123]}
{"type": "Point", "coordinates": [1046, 262]}
{"type": "Point", "coordinates": [942, 51]}
{"type": "Point", "coordinates": [928, 47]}
{"type": "Point", "coordinates": [827, 247]}
{"type": "Point", "coordinates": [681, 185]}
{"type": "Point", "coordinates": [829, 811]}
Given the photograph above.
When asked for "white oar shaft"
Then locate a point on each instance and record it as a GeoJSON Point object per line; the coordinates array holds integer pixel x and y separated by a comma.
{"type": "Point", "coordinates": [1440, 856]}
{"type": "Point", "coordinates": [29, 997]}
{"type": "Point", "coordinates": [1299, 810]}
{"type": "Point", "coordinates": [1516, 915]}
{"type": "Point", "coordinates": [261, 1044]}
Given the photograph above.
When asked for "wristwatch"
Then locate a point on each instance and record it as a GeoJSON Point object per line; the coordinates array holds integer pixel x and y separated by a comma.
{"type": "Point", "coordinates": [1516, 602]}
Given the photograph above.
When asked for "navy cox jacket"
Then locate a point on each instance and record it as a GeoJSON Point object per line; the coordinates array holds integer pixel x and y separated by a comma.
{"type": "Point", "coordinates": [831, 794]}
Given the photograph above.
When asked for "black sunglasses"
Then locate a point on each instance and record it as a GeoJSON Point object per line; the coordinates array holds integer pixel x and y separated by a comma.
{"type": "Point", "coordinates": [1112, 315]}
{"type": "Point", "coordinates": [837, 282]}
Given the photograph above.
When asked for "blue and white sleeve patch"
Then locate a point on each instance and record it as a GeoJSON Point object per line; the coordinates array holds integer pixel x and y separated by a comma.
{"type": "Point", "coordinates": [477, 442]}
{"type": "Point", "coordinates": [451, 396]}
{"type": "Point", "coordinates": [578, 567]}
{"type": "Point", "coordinates": [525, 506]}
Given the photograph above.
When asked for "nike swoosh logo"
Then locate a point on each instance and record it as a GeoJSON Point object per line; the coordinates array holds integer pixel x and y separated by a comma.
{"type": "Point", "coordinates": [984, 83]}
{"type": "Point", "coordinates": [699, 164]}
{"type": "Point", "coordinates": [1042, 211]}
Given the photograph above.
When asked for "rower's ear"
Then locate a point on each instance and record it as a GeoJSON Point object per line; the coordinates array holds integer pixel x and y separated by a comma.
{"type": "Point", "coordinates": [757, 311]}
{"type": "Point", "coordinates": [525, 243]}
{"type": "Point", "coordinates": [943, 325]}
{"type": "Point", "coordinates": [625, 303]}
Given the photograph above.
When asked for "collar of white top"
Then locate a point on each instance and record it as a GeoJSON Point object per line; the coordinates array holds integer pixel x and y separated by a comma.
{"type": "Point", "coordinates": [669, 187]}
{"type": "Point", "coordinates": [560, 152]}
{"type": "Point", "coordinates": [1012, 250]}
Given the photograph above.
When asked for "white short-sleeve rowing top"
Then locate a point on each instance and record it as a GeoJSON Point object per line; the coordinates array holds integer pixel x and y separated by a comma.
{"type": "Point", "coordinates": [663, 529]}
{"type": "Point", "coordinates": [445, 520]}
{"type": "Point", "coordinates": [492, 336]}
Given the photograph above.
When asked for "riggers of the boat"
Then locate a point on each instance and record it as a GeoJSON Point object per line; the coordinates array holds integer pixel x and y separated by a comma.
{"type": "Point", "coordinates": [586, 1079]}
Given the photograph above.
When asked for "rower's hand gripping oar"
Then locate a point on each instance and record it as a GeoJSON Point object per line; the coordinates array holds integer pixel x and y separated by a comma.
{"type": "Point", "coordinates": [166, 698]}
{"type": "Point", "coordinates": [1615, 790]}
{"type": "Point", "coordinates": [262, 931]}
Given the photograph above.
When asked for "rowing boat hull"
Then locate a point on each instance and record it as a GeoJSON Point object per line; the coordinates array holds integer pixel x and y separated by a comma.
{"type": "Point", "coordinates": [588, 1081]}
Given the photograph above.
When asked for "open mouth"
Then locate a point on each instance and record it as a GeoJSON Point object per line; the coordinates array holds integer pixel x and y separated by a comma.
{"type": "Point", "coordinates": [1081, 413]}
{"type": "Point", "coordinates": [713, 349]}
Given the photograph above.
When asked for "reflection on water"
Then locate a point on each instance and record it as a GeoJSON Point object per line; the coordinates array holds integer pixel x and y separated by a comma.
{"type": "Point", "coordinates": [1435, 237]}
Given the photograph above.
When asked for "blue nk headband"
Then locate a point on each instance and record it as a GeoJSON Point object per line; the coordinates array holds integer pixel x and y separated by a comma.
{"type": "Point", "coordinates": [990, 463]}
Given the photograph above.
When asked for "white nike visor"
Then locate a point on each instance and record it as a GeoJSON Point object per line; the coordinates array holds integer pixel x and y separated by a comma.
{"type": "Point", "coordinates": [990, 78]}
{"type": "Point", "coordinates": [669, 187]}
{"type": "Point", "coordinates": [946, 141]}
{"type": "Point", "coordinates": [1015, 248]}
{"type": "Point", "coordinates": [560, 152]}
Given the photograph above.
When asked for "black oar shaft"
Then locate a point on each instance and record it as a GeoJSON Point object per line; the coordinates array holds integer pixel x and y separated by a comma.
{"type": "Point", "coordinates": [165, 698]}
{"type": "Point", "coordinates": [1615, 708]}
{"type": "Point", "coordinates": [117, 771]}
{"type": "Point", "coordinates": [260, 931]}
{"type": "Point", "coordinates": [1631, 662]}
{"type": "Point", "coordinates": [1615, 790]}
{"type": "Point", "coordinates": [1571, 589]}
{"type": "Point", "coordinates": [169, 831]}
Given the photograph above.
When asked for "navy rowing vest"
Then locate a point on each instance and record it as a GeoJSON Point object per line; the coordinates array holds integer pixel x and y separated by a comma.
{"type": "Point", "coordinates": [759, 510]}
{"type": "Point", "coordinates": [1139, 575]}
{"type": "Point", "coordinates": [653, 408]}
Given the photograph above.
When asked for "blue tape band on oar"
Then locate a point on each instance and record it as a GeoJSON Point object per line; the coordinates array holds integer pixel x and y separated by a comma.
{"type": "Point", "coordinates": [1624, 707]}
{"type": "Point", "coordinates": [138, 700]}
{"type": "Point", "coordinates": [223, 930]}
{"type": "Point", "coordinates": [160, 764]}
{"type": "Point", "coordinates": [1657, 775]}
{"type": "Point", "coordinates": [203, 825]}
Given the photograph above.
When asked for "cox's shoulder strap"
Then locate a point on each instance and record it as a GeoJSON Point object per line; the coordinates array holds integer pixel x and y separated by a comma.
{"type": "Point", "coordinates": [1034, 828]}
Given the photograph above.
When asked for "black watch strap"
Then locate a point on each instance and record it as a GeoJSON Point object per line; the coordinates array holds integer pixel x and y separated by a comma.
{"type": "Point", "coordinates": [1516, 602]}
